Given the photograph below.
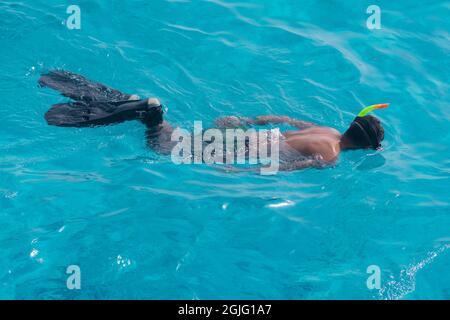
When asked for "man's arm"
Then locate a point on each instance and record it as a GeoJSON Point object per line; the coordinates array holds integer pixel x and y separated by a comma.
{"type": "Point", "coordinates": [289, 166]}
{"type": "Point", "coordinates": [304, 164]}
{"type": "Point", "coordinates": [236, 122]}
{"type": "Point", "coordinates": [232, 122]}
{"type": "Point", "coordinates": [300, 124]}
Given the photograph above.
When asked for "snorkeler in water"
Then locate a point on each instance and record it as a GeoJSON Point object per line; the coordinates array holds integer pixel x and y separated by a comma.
{"type": "Point", "coordinates": [319, 145]}
{"type": "Point", "coordinates": [96, 105]}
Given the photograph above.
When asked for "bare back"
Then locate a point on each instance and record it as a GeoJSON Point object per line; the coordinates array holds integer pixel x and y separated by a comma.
{"type": "Point", "coordinates": [322, 142]}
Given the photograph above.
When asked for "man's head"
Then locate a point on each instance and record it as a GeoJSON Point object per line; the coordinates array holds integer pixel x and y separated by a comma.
{"type": "Point", "coordinates": [364, 132]}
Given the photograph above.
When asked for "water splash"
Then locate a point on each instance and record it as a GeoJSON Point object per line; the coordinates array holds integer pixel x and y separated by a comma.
{"type": "Point", "coordinates": [406, 284]}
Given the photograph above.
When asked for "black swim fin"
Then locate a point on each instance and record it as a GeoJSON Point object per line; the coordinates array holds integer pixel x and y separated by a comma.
{"type": "Point", "coordinates": [99, 113]}
{"type": "Point", "coordinates": [95, 104]}
{"type": "Point", "coordinates": [79, 88]}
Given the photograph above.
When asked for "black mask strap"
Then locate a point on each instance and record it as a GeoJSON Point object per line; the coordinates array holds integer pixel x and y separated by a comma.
{"type": "Point", "coordinates": [368, 131]}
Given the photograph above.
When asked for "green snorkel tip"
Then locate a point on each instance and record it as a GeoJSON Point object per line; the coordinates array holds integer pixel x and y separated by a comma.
{"type": "Point", "coordinates": [369, 109]}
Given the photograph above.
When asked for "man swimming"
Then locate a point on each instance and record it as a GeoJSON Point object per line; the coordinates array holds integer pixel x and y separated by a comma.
{"type": "Point", "coordinates": [320, 145]}
{"type": "Point", "coordinates": [309, 146]}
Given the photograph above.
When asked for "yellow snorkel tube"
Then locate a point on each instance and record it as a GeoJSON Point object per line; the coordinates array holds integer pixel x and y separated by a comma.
{"type": "Point", "coordinates": [369, 109]}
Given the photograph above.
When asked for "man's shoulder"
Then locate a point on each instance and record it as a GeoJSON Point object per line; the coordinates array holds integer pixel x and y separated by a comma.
{"type": "Point", "coordinates": [324, 130]}
{"type": "Point", "coordinates": [331, 130]}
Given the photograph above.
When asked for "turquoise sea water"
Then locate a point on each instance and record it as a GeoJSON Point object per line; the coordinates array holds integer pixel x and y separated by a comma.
{"type": "Point", "coordinates": [139, 226]}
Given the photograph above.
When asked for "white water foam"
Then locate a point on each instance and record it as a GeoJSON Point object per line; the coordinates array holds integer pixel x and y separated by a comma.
{"type": "Point", "coordinates": [398, 289]}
